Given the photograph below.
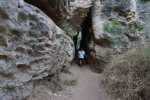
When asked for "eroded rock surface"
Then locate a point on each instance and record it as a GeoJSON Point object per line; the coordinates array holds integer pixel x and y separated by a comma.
{"type": "Point", "coordinates": [103, 44]}
{"type": "Point", "coordinates": [31, 48]}
{"type": "Point", "coordinates": [55, 9]}
{"type": "Point", "coordinates": [74, 11]}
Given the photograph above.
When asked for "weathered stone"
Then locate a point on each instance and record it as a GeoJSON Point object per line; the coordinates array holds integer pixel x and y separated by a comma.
{"type": "Point", "coordinates": [77, 12]}
{"type": "Point", "coordinates": [143, 10]}
{"type": "Point", "coordinates": [55, 9]}
{"type": "Point", "coordinates": [31, 48]}
{"type": "Point", "coordinates": [127, 12]}
{"type": "Point", "coordinates": [74, 11]}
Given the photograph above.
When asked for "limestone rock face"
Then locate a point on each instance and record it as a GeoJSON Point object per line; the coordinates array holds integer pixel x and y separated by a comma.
{"type": "Point", "coordinates": [31, 48]}
{"type": "Point", "coordinates": [143, 10]}
{"type": "Point", "coordinates": [74, 11]}
{"type": "Point", "coordinates": [103, 44]}
{"type": "Point", "coordinates": [77, 12]}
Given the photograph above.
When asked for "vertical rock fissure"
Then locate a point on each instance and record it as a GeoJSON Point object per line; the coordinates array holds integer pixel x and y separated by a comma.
{"type": "Point", "coordinates": [85, 31]}
{"type": "Point", "coordinates": [85, 35]}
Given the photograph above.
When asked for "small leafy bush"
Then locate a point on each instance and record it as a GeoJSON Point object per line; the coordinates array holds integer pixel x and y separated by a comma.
{"type": "Point", "coordinates": [115, 27]}
{"type": "Point", "coordinates": [66, 28]}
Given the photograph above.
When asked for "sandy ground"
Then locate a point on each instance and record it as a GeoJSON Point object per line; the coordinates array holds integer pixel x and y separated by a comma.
{"type": "Point", "coordinates": [88, 87]}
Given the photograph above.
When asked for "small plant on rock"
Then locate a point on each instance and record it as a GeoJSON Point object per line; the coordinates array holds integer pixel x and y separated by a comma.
{"type": "Point", "coordinates": [66, 28]}
{"type": "Point", "coordinates": [119, 32]}
{"type": "Point", "coordinates": [114, 27]}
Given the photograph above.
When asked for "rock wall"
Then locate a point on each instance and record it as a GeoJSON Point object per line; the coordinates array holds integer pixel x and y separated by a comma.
{"type": "Point", "coordinates": [77, 12]}
{"type": "Point", "coordinates": [128, 13]}
{"type": "Point", "coordinates": [74, 11]}
{"type": "Point", "coordinates": [31, 48]}
{"type": "Point", "coordinates": [143, 10]}
{"type": "Point", "coordinates": [55, 9]}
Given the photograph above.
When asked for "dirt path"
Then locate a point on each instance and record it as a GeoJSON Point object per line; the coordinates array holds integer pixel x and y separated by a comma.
{"type": "Point", "coordinates": [89, 84]}
{"type": "Point", "coordinates": [88, 87]}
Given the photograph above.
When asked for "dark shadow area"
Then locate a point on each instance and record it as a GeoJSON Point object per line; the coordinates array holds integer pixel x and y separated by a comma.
{"type": "Point", "coordinates": [85, 34]}
{"type": "Point", "coordinates": [85, 31]}
{"type": "Point", "coordinates": [75, 38]}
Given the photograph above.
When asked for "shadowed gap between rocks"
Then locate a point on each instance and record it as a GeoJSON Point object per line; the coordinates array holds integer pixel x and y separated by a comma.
{"type": "Point", "coordinates": [85, 25]}
{"type": "Point", "coordinates": [85, 34]}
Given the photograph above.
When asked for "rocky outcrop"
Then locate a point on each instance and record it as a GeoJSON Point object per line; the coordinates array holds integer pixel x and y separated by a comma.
{"type": "Point", "coordinates": [55, 9]}
{"type": "Point", "coordinates": [77, 12]}
{"type": "Point", "coordinates": [143, 10]}
{"type": "Point", "coordinates": [74, 11]}
{"type": "Point", "coordinates": [104, 44]}
{"type": "Point", "coordinates": [31, 48]}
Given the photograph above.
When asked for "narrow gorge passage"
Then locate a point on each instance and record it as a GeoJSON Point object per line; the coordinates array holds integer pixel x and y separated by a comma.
{"type": "Point", "coordinates": [37, 49]}
{"type": "Point", "coordinates": [88, 87]}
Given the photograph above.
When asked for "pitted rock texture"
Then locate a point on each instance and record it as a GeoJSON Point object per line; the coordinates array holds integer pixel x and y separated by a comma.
{"type": "Point", "coordinates": [31, 48]}
{"type": "Point", "coordinates": [127, 12]}
{"type": "Point", "coordinates": [74, 11]}
{"type": "Point", "coordinates": [55, 9]}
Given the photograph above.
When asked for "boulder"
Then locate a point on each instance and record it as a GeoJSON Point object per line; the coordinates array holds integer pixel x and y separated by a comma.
{"type": "Point", "coordinates": [31, 48]}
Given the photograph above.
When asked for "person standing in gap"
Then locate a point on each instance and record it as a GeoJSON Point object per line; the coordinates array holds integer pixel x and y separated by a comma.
{"type": "Point", "coordinates": [81, 55]}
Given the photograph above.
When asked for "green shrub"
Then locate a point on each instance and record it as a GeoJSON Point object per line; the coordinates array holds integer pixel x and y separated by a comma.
{"type": "Point", "coordinates": [66, 28]}
{"type": "Point", "coordinates": [115, 27]}
{"type": "Point", "coordinates": [128, 76]}
{"type": "Point", "coordinates": [145, 1]}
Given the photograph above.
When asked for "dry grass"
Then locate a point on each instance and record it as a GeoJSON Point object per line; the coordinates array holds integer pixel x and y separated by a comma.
{"type": "Point", "coordinates": [71, 82]}
{"type": "Point", "coordinates": [128, 76]}
{"type": "Point", "coordinates": [66, 70]}
{"type": "Point", "coordinates": [54, 83]}
{"type": "Point", "coordinates": [57, 83]}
